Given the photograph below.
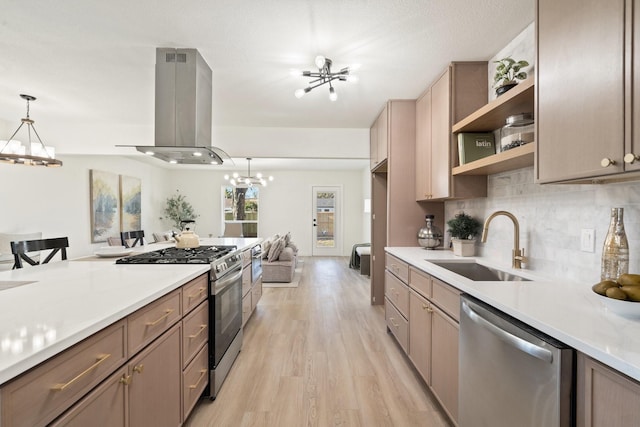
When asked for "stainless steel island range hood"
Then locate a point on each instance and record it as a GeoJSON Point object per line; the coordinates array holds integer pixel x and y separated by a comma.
{"type": "Point", "coordinates": [183, 109]}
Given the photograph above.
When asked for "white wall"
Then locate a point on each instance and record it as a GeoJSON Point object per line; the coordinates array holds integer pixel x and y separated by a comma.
{"type": "Point", "coordinates": [285, 204]}
{"type": "Point", "coordinates": [55, 201]}
{"type": "Point", "coordinates": [366, 216]}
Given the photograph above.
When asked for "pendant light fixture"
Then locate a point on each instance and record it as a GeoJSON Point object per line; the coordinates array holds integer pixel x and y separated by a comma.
{"type": "Point", "coordinates": [31, 153]}
{"type": "Point", "coordinates": [248, 180]}
{"type": "Point", "coordinates": [324, 76]}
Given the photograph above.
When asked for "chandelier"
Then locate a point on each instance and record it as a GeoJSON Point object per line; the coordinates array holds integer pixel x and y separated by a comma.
{"type": "Point", "coordinates": [323, 76]}
{"type": "Point", "coordinates": [238, 180]}
{"type": "Point", "coordinates": [32, 153]}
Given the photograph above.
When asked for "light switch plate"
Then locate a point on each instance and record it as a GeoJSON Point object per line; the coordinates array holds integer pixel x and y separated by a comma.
{"type": "Point", "coordinates": [588, 240]}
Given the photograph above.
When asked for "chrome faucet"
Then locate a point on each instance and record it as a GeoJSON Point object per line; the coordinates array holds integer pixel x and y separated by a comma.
{"type": "Point", "coordinates": [518, 254]}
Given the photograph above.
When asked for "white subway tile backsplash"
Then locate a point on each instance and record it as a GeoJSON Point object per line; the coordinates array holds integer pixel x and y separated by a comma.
{"type": "Point", "coordinates": [551, 218]}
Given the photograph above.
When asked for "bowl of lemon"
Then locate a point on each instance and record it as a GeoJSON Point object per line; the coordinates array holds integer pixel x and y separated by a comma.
{"type": "Point", "coordinates": [621, 296]}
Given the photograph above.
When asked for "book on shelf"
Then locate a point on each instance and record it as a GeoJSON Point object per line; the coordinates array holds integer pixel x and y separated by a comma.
{"type": "Point", "coordinates": [475, 145]}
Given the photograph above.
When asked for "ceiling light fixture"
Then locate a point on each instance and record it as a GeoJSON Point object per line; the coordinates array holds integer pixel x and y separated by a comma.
{"type": "Point", "coordinates": [323, 76]}
{"type": "Point", "coordinates": [238, 180]}
{"type": "Point", "coordinates": [32, 153]}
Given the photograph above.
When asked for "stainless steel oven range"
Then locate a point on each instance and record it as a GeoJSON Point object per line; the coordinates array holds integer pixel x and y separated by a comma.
{"type": "Point", "coordinates": [225, 301]}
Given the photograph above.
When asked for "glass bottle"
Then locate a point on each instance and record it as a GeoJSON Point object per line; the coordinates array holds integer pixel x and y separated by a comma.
{"type": "Point", "coordinates": [615, 252]}
{"type": "Point", "coordinates": [430, 236]}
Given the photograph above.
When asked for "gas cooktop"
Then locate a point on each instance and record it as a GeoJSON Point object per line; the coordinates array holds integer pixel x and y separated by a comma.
{"type": "Point", "coordinates": [199, 255]}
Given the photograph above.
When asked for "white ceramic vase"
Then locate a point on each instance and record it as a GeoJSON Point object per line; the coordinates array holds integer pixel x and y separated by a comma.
{"type": "Point", "coordinates": [463, 247]}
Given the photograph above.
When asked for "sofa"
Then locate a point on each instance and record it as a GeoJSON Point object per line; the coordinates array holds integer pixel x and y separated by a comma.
{"type": "Point", "coordinates": [279, 259]}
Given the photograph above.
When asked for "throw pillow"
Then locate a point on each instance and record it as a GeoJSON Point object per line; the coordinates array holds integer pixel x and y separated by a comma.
{"type": "Point", "coordinates": [286, 254]}
{"type": "Point", "coordinates": [275, 250]}
{"type": "Point", "coordinates": [293, 246]}
{"type": "Point", "coordinates": [266, 245]}
{"type": "Point", "coordinates": [287, 238]}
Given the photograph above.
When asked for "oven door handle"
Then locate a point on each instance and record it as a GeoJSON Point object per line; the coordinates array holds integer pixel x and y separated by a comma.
{"type": "Point", "coordinates": [226, 281]}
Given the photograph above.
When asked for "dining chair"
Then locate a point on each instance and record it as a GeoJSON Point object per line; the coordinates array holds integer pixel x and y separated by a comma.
{"type": "Point", "coordinates": [20, 249]}
{"type": "Point", "coordinates": [127, 236]}
{"type": "Point", "coordinates": [232, 229]}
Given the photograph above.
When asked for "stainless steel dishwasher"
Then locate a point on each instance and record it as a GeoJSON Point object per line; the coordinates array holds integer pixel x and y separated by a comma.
{"type": "Point", "coordinates": [511, 374]}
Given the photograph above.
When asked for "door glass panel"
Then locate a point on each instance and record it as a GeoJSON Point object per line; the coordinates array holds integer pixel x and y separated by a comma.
{"type": "Point", "coordinates": [325, 214]}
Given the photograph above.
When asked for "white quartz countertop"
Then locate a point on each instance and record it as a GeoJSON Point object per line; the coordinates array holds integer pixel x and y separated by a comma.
{"type": "Point", "coordinates": [59, 304]}
{"type": "Point", "coordinates": [569, 312]}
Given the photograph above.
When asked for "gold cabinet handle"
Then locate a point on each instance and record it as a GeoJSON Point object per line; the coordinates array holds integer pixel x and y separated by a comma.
{"type": "Point", "coordinates": [138, 368]}
{"type": "Point", "coordinates": [395, 325]}
{"type": "Point", "coordinates": [202, 328]}
{"type": "Point", "coordinates": [196, 295]}
{"type": "Point", "coordinates": [630, 158]}
{"type": "Point", "coordinates": [61, 387]}
{"type": "Point", "coordinates": [125, 379]}
{"type": "Point", "coordinates": [425, 306]}
{"type": "Point", "coordinates": [203, 372]}
{"type": "Point", "coordinates": [606, 162]}
{"type": "Point", "coordinates": [429, 310]}
{"type": "Point", "coordinates": [166, 314]}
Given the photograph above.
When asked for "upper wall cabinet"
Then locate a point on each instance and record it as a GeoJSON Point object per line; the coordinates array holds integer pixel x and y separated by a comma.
{"type": "Point", "coordinates": [458, 92]}
{"type": "Point", "coordinates": [587, 114]}
{"type": "Point", "coordinates": [379, 139]}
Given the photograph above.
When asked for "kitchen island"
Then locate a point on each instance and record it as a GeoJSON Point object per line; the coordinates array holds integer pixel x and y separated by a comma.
{"type": "Point", "coordinates": [47, 309]}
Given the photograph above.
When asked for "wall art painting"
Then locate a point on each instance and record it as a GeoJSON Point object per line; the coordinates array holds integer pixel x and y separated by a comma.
{"type": "Point", "coordinates": [131, 202]}
{"type": "Point", "coordinates": [104, 205]}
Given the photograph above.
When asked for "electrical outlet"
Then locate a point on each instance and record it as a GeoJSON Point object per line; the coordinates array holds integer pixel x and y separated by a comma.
{"type": "Point", "coordinates": [588, 240]}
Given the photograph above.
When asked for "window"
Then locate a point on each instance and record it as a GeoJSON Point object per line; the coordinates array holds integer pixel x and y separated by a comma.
{"type": "Point", "coordinates": [240, 211]}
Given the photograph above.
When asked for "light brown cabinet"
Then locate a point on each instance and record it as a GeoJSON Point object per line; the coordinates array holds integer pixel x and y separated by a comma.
{"type": "Point", "coordinates": [155, 383]}
{"type": "Point", "coordinates": [586, 128]}
{"type": "Point", "coordinates": [130, 373]}
{"type": "Point", "coordinates": [251, 288]}
{"type": "Point", "coordinates": [379, 139]}
{"type": "Point", "coordinates": [459, 91]}
{"type": "Point", "coordinates": [396, 217]}
{"type": "Point", "coordinates": [605, 397]}
{"type": "Point", "coordinates": [106, 403]}
{"type": "Point", "coordinates": [433, 336]}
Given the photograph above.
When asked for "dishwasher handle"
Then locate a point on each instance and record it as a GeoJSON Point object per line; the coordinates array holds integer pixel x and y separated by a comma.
{"type": "Point", "coordinates": [517, 342]}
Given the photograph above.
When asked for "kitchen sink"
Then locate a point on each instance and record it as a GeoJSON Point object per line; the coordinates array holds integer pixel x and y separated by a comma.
{"type": "Point", "coordinates": [478, 272]}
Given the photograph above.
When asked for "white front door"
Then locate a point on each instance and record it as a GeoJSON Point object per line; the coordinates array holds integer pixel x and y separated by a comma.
{"type": "Point", "coordinates": [327, 221]}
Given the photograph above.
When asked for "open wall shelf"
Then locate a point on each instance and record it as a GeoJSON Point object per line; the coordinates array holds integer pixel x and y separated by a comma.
{"type": "Point", "coordinates": [516, 158]}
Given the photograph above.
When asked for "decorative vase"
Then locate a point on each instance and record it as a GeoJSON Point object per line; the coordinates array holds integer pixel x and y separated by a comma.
{"type": "Point", "coordinates": [463, 247]}
{"type": "Point", "coordinates": [505, 87]}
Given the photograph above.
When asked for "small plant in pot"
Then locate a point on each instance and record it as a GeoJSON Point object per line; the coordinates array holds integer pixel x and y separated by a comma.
{"type": "Point", "coordinates": [508, 71]}
{"type": "Point", "coordinates": [463, 229]}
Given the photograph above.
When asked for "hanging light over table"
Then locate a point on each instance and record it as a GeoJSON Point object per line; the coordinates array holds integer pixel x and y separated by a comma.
{"type": "Point", "coordinates": [31, 153]}
{"type": "Point", "coordinates": [248, 180]}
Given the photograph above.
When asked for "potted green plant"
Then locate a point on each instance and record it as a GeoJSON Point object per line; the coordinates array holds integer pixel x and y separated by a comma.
{"type": "Point", "coordinates": [508, 71]}
{"type": "Point", "coordinates": [178, 209]}
{"type": "Point", "coordinates": [463, 229]}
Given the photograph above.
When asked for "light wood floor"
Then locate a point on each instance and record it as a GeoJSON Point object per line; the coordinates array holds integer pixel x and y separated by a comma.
{"type": "Point", "coordinates": [320, 355]}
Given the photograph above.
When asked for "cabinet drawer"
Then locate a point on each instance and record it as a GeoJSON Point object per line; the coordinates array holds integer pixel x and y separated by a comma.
{"type": "Point", "coordinates": [106, 403]}
{"type": "Point", "coordinates": [397, 292]}
{"type": "Point", "coordinates": [246, 280]}
{"type": "Point", "coordinates": [46, 391]}
{"type": "Point", "coordinates": [397, 324]}
{"type": "Point", "coordinates": [246, 257]}
{"type": "Point", "coordinates": [420, 282]}
{"type": "Point", "coordinates": [194, 292]}
{"type": "Point", "coordinates": [194, 380]}
{"type": "Point", "coordinates": [446, 297]}
{"type": "Point", "coordinates": [152, 320]}
{"type": "Point", "coordinates": [256, 294]}
{"type": "Point", "coordinates": [246, 308]}
{"type": "Point", "coordinates": [397, 267]}
{"type": "Point", "coordinates": [195, 330]}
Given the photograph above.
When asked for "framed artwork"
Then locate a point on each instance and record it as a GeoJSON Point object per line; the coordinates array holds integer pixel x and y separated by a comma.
{"type": "Point", "coordinates": [104, 205]}
{"type": "Point", "coordinates": [130, 202]}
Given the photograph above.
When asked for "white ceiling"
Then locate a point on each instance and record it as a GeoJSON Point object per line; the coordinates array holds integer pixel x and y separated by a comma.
{"type": "Point", "coordinates": [91, 63]}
